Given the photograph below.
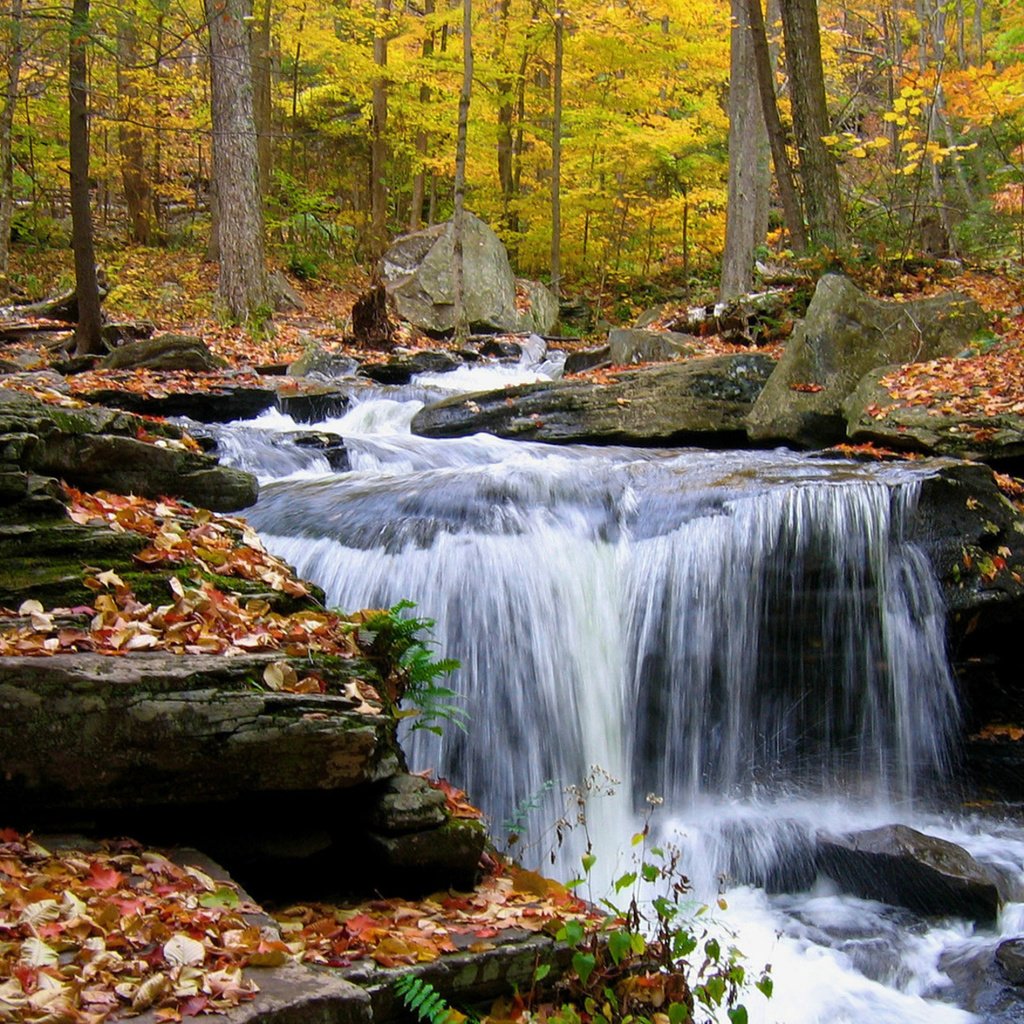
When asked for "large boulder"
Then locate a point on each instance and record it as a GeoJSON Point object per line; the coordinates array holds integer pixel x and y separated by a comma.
{"type": "Point", "coordinates": [845, 335]}
{"type": "Point", "coordinates": [538, 307]}
{"type": "Point", "coordinates": [634, 345]}
{"type": "Point", "coordinates": [417, 273]}
{"type": "Point", "coordinates": [166, 352]}
{"type": "Point", "coordinates": [899, 865]}
{"type": "Point", "coordinates": [702, 401]}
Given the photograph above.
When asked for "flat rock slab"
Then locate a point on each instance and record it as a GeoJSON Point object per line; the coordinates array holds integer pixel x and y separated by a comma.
{"type": "Point", "coordinates": [215, 406]}
{"type": "Point", "coordinates": [898, 865]}
{"type": "Point", "coordinates": [95, 732]}
{"type": "Point", "coordinates": [873, 415]}
{"type": "Point", "coordinates": [702, 401]}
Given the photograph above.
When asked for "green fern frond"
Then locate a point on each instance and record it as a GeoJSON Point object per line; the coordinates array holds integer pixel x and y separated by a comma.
{"type": "Point", "coordinates": [421, 998]}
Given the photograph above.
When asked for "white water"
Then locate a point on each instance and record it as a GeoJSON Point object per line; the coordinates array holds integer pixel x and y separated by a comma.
{"type": "Point", "coordinates": [745, 635]}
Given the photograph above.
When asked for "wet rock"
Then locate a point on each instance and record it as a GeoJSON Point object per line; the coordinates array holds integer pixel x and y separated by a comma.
{"type": "Point", "coordinates": [845, 335]}
{"type": "Point", "coordinates": [331, 446]}
{"type": "Point", "coordinates": [417, 272]}
{"type": "Point", "coordinates": [222, 404]}
{"type": "Point", "coordinates": [315, 403]}
{"type": "Point", "coordinates": [703, 401]}
{"type": "Point", "coordinates": [631, 345]}
{"type": "Point", "coordinates": [1010, 957]}
{"type": "Point", "coordinates": [167, 352]}
{"type": "Point", "coordinates": [896, 864]}
{"type": "Point", "coordinates": [981, 984]}
{"type": "Point", "coordinates": [401, 369]}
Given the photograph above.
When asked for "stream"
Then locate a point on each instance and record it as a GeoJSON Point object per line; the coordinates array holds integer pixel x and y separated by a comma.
{"type": "Point", "coordinates": [740, 647]}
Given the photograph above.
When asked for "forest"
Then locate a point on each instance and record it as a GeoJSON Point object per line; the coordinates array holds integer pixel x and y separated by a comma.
{"type": "Point", "coordinates": [597, 139]}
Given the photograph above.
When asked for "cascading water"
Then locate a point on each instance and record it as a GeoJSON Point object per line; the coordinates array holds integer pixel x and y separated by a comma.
{"type": "Point", "coordinates": [747, 635]}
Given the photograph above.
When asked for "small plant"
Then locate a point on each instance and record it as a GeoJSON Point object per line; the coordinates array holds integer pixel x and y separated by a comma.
{"type": "Point", "coordinates": [408, 669]}
{"type": "Point", "coordinates": [421, 998]}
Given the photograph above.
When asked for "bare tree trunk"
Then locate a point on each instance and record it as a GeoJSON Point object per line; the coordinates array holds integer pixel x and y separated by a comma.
{"type": "Point", "coordinates": [747, 138]}
{"type": "Point", "coordinates": [819, 174]}
{"type": "Point", "coordinates": [419, 181]}
{"type": "Point", "coordinates": [243, 282]}
{"type": "Point", "coordinates": [15, 55]}
{"type": "Point", "coordinates": [459, 220]}
{"type": "Point", "coordinates": [262, 109]}
{"type": "Point", "coordinates": [138, 191]}
{"type": "Point", "coordinates": [88, 338]}
{"type": "Point", "coordinates": [378, 140]}
{"type": "Point", "coordinates": [791, 208]}
{"type": "Point", "coordinates": [556, 158]}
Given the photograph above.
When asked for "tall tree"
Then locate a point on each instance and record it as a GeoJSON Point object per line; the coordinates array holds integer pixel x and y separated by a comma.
{"type": "Point", "coordinates": [791, 207]}
{"type": "Point", "coordinates": [819, 175]}
{"type": "Point", "coordinates": [243, 282]}
{"type": "Point", "coordinates": [556, 155]}
{"type": "Point", "coordinates": [379, 139]}
{"type": "Point", "coordinates": [14, 51]}
{"type": "Point", "coordinates": [747, 143]}
{"type": "Point", "coordinates": [138, 191]}
{"type": "Point", "coordinates": [459, 219]}
{"type": "Point", "coordinates": [88, 332]}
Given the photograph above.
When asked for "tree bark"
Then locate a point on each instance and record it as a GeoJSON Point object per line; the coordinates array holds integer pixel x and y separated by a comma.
{"type": "Point", "coordinates": [419, 181]}
{"type": "Point", "coordinates": [791, 208]}
{"type": "Point", "coordinates": [459, 219]}
{"type": "Point", "coordinates": [747, 139]}
{"type": "Point", "coordinates": [819, 174]}
{"type": "Point", "coordinates": [262, 108]}
{"type": "Point", "coordinates": [15, 54]}
{"type": "Point", "coordinates": [88, 336]}
{"type": "Point", "coordinates": [243, 283]}
{"type": "Point", "coordinates": [138, 192]}
{"type": "Point", "coordinates": [556, 158]}
{"type": "Point", "coordinates": [378, 140]}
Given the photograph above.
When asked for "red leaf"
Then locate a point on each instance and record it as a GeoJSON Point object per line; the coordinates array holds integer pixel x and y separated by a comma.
{"type": "Point", "coordinates": [104, 878]}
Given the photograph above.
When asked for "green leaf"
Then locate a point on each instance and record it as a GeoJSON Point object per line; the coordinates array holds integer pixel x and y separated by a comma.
{"type": "Point", "coordinates": [223, 898]}
{"type": "Point", "coordinates": [588, 860]}
{"type": "Point", "coordinates": [713, 950]}
{"type": "Point", "coordinates": [651, 872]}
{"type": "Point", "coordinates": [765, 986]}
{"type": "Point", "coordinates": [683, 944]}
{"type": "Point", "coordinates": [571, 932]}
{"type": "Point", "coordinates": [541, 972]}
{"type": "Point", "coordinates": [678, 1013]}
{"type": "Point", "coordinates": [619, 946]}
{"type": "Point", "coordinates": [738, 1014]}
{"type": "Point", "coordinates": [583, 964]}
{"type": "Point", "coordinates": [625, 881]}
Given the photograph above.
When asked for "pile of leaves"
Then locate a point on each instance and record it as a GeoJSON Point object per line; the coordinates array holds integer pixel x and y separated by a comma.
{"type": "Point", "coordinates": [181, 534]}
{"type": "Point", "coordinates": [397, 932]}
{"type": "Point", "coordinates": [85, 934]}
{"type": "Point", "coordinates": [162, 383]}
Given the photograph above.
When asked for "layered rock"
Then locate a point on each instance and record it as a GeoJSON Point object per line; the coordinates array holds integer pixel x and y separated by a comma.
{"type": "Point", "coordinates": [845, 335]}
{"type": "Point", "coordinates": [703, 401]}
{"type": "Point", "coordinates": [96, 448]}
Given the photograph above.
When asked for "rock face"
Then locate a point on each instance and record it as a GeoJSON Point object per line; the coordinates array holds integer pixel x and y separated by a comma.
{"type": "Point", "coordinates": [845, 335]}
{"type": "Point", "coordinates": [168, 352]}
{"type": "Point", "coordinates": [703, 401]}
{"type": "Point", "coordinates": [216, 405]}
{"type": "Point", "coordinates": [873, 415]}
{"type": "Point", "coordinates": [418, 279]}
{"type": "Point", "coordinates": [98, 449]}
{"type": "Point", "coordinates": [89, 732]}
{"type": "Point", "coordinates": [896, 864]}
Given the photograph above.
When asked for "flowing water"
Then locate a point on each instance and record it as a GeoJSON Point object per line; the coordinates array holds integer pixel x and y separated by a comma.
{"type": "Point", "coordinates": [743, 646]}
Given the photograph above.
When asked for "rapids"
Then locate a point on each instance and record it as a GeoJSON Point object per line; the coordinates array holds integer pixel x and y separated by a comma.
{"type": "Point", "coordinates": [742, 646]}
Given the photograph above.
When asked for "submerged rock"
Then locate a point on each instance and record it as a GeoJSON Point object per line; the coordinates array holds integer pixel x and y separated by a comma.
{"type": "Point", "coordinates": [896, 864]}
{"type": "Point", "coordinates": [702, 401]}
{"type": "Point", "coordinates": [845, 335]}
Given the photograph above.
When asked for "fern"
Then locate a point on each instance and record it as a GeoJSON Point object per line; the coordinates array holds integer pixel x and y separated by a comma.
{"type": "Point", "coordinates": [409, 668]}
{"type": "Point", "coordinates": [421, 998]}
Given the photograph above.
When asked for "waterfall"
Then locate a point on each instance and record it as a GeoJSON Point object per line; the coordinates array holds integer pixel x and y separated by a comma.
{"type": "Point", "coordinates": [741, 624]}
{"type": "Point", "coordinates": [749, 638]}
